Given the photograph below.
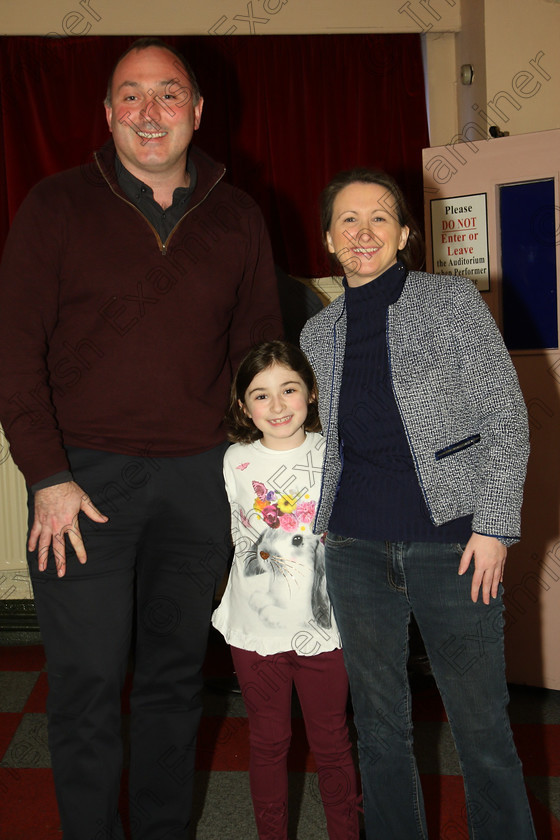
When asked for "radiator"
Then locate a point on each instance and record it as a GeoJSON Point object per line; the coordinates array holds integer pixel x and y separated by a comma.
{"type": "Point", "coordinates": [14, 578]}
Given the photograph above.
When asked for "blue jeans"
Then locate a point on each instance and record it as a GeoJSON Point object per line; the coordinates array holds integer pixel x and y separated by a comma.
{"type": "Point", "coordinates": [374, 588]}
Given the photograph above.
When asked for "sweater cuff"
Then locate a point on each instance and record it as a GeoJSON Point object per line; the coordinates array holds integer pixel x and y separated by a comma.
{"type": "Point", "coordinates": [57, 478]}
{"type": "Point", "coordinates": [507, 541]}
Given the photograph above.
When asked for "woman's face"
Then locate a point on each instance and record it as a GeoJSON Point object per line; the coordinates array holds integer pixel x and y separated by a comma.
{"type": "Point", "coordinates": [365, 233]}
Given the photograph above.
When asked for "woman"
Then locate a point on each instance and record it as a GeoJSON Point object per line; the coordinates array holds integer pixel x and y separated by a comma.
{"type": "Point", "coordinates": [426, 451]}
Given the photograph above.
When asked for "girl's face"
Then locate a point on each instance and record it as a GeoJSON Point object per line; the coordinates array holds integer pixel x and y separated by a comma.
{"type": "Point", "coordinates": [277, 401]}
{"type": "Point", "coordinates": [365, 233]}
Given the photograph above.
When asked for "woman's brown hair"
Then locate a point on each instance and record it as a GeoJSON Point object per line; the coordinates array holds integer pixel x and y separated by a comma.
{"type": "Point", "coordinates": [412, 255]}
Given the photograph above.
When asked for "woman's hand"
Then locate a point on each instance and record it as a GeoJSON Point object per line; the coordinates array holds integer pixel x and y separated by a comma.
{"type": "Point", "coordinates": [489, 561]}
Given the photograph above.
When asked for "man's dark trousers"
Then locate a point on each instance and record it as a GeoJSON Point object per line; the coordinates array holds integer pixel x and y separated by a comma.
{"type": "Point", "coordinates": [149, 579]}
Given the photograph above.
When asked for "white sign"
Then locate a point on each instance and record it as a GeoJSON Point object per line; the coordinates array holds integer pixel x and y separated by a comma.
{"type": "Point", "coordinates": [460, 238]}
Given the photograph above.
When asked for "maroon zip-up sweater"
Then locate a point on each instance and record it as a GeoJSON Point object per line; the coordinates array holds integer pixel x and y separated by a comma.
{"type": "Point", "coordinates": [113, 340]}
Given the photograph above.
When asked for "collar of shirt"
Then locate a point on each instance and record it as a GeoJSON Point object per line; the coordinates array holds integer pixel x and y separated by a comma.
{"type": "Point", "coordinates": [136, 189]}
{"type": "Point", "coordinates": [142, 196]}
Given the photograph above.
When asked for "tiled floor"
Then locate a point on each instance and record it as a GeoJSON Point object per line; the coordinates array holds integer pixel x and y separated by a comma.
{"type": "Point", "coordinates": [222, 792]}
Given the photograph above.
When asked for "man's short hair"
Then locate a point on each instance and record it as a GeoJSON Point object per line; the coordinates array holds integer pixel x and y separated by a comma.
{"type": "Point", "coordinates": [143, 44]}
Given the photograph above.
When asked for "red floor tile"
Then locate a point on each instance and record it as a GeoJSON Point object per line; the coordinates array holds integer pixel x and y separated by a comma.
{"type": "Point", "coordinates": [445, 810]}
{"type": "Point", "coordinates": [547, 826]}
{"type": "Point", "coordinates": [29, 805]}
{"type": "Point", "coordinates": [427, 705]}
{"type": "Point", "coordinates": [22, 658]}
{"type": "Point", "coordinates": [444, 798]}
{"type": "Point", "coordinates": [9, 722]}
{"type": "Point", "coordinates": [538, 746]}
{"type": "Point", "coordinates": [37, 700]}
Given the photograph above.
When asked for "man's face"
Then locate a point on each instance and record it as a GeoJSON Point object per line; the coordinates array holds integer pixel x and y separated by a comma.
{"type": "Point", "coordinates": [152, 115]}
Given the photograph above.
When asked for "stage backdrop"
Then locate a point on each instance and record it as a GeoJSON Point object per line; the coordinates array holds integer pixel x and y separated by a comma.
{"type": "Point", "coordinates": [283, 112]}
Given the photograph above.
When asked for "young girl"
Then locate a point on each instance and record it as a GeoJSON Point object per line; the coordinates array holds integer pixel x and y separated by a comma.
{"type": "Point", "coordinates": [275, 612]}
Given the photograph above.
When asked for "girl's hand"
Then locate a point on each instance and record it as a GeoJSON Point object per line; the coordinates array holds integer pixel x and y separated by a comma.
{"type": "Point", "coordinates": [489, 561]}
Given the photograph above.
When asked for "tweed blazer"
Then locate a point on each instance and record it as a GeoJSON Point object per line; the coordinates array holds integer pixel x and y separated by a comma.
{"type": "Point", "coordinates": [458, 396]}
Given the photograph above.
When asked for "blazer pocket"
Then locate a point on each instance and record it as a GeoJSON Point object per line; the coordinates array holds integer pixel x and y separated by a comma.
{"type": "Point", "coordinates": [453, 448]}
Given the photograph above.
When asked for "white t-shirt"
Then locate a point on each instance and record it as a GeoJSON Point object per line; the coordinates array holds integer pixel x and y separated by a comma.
{"type": "Point", "coordinates": [276, 597]}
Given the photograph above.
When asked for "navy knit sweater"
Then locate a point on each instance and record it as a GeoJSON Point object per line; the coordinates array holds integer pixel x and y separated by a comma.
{"type": "Point", "coordinates": [379, 495]}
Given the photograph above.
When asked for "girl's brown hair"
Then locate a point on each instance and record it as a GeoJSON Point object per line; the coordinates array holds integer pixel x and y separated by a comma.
{"type": "Point", "coordinates": [412, 255]}
{"type": "Point", "coordinates": [241, 428]}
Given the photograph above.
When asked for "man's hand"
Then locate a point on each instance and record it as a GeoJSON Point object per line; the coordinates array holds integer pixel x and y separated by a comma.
{"type": "Point", "coordinates": [56, 515]}
{"type": "Point", "coordinates": [489, 561]}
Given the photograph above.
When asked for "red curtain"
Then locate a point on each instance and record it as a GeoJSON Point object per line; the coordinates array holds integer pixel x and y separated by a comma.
{"type": "Point", "coordinates": [284, 113]}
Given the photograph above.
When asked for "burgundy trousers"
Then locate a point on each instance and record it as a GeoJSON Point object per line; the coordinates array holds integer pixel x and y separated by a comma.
{"type": "Point", "coordinates": [322, 687]}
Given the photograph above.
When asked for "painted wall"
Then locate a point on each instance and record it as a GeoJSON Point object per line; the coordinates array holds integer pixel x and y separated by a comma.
{"type": "Point", "coordinates": [224, 17]}
{"type": "Point", "coordinates": [523, 63]}
{"type": "Point", "coordinates": [513, 49]}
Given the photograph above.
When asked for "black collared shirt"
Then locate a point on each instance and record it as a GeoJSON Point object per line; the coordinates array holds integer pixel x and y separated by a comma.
{"type": "Point", "coordinates": [142, 196]}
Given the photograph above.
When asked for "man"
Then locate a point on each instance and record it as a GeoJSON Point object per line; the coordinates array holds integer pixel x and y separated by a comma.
{"type": "Point", "coordinates": [129, 291]}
